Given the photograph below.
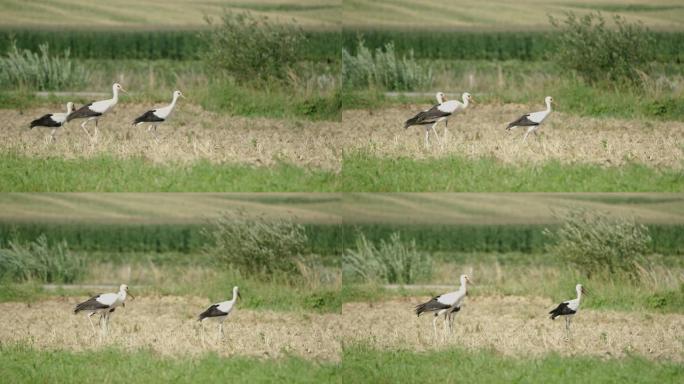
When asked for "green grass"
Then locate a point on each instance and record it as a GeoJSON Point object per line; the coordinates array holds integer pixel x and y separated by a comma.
{"type": "Point", "coordinates": [21, 364]}
{"type": "Point", "coordinates": [454, 174]}
{"type": "Point", "coordinates": [109, 174]}
{"type": "Point", "coordinates": [360, 173]}
{"type": "Point", "coordinates": [362, 364]}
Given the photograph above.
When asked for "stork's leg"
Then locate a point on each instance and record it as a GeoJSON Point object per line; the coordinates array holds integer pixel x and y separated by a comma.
{"type": "Point", "coordinates": [96, 130]}
{"type": "Point", "coordinates": [446, 130]}
{"type": "Point", "coordinates": [83, 126]}
{"type": "Point", "coordinates": [434, 326]}
{"type": "Point", "coordinates": [52, 135]}
{"type": "Point", "coordinates": [446, 326]}
{"type": "Point", "coordinates": [435, 132]}
{"type": "Point", "coordinates": [90, 315]}
{"type": "Point", "coordinates": [526, 133]}
{"type": "Point", "coordinates": [427, 137]}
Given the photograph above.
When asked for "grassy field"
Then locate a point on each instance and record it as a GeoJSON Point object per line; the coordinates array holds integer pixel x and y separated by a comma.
{"type": "Point", "coordinates": [159, 14]}
{"type": "Point", "coordinates": [501, 14]}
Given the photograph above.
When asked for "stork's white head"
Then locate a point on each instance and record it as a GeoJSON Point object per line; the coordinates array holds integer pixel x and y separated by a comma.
{"type": "Point", "coordinates": [177, 94]}
{"type": "Point", "coordinates": [441, 97]}
{"type": "Point", "coordinates": [467, 98]}
{"type": "Point", "coordinates": [465, 279]}
{"type": "Point", "coordinates": [580, 290]}
{"type": "Point", "coordinates": [124, 289]}
{"type": "Point", "coordinates": [236, 292]}
{"type": "Point", "coordinates": [70, 107]}
{"type": "Point", "coordinates": [117, 87]}
{"type": "Point", "coordinates": [548, 100]}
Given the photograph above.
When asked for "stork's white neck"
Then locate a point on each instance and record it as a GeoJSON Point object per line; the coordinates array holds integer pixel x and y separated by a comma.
{"type": "Point", "coordinates": [115, 97]}
{"type": "Point", "coordinates": [548, 106]}
{"type": "Point", "coordinates": [173, 102]}
{"type": "Point", "coordinates": [465, 100]}
{"type": "Point", "coordinates": [234, 295]}
{"type": "Point", "coordinates": [579, 294]}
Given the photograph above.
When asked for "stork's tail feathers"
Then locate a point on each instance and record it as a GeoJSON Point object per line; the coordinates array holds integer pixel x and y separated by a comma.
{"type": "Point", "coordinates": [420, 309]}
{"type": "Point", "coordinates": [410, 122]}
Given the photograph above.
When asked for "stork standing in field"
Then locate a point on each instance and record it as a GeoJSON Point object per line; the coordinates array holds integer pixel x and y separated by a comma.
{"type": "Point", "coordinates": [439, 112]}
{"type": "Point", "coordinates": [447, 304]}
{"type": "Point", "coordinates": [220, 312]}
{"type": "Point", "coordinates": [94, 110]}
{"type": "Point", "coordinates": [532, 120]}
{"type": "Point", "coordinates": [104, 304]}
{"type": "Point", "coordinates": [53, 120]}
{"type": "Point", "coordinates": [157, 116]}
{"type": "Point", "coordinates": [569, 308]}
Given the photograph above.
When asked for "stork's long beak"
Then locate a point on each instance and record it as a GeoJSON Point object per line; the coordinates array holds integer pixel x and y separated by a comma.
{"type": "Point", "coordinates": [181, 95]}
{"type": "Point", "coordinates": [239, 295]}
{"type": "Point", "coordinates": [123, 90]}
{"type": "Point", "coordinates": [584, 291]}
{"type": "Point", "coordinates": [132, 297]}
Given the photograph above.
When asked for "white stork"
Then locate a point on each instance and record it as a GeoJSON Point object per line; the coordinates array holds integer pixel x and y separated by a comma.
{"type": "Point", "coordinates": [53, 120]}
{"type": "Point", "coordinates": [532, 120]}
{"type": "Point", "coordinates": [446, 304]}
{"type": "Point", "coordinates": [220, 312]}
{"type": "Point", "coordinates": [104, 304]}
{"type": "Point", "coordinates": [439, 112]}
{"type": "Point", "coordinates": [94, 110]}
{"type": "Point", "coordinates": [569, 308]}
{"type": "Point", "coordinates": [157, 116]}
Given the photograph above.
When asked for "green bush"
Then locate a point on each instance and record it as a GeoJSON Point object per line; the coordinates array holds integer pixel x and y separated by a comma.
{"type": "Point", "coordinates": [40, 71]}
{"type": "Point", "coordinates": [391, 262]}
{"type": "Point", "coordinates": [41, 261]}
{"type": "Point", "coordinates": [383, 69]}
{"type": "Point", "coordinates": [254, 244]}
{"type": "Point", "coordinates": [599, 245]}
{"type": "Point", "coordinates": [252, 48]}
{"type": "Point", "coordinates": [599, 53]}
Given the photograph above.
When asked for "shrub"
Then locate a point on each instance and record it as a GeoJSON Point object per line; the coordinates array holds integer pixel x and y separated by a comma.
{"type": "Point", "coordinates": [41, 261]}
{"type": "Point", "coordinates": [599, 53]}
{"type": "Point", "coordinates": [249, 47]}
{"type": "Point", "coordinates": [383, 69]}
{"type": "Point", "coordinates": [597, 244]}
{"type": "Point", "coordinates": [256, 245]}
{"type": "Point", "coordinates": [391, 262]}
{"type": "Point", "coordinates": [26, 69]}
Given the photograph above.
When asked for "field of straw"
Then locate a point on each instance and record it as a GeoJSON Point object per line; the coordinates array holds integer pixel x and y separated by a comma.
{"type": "Point", "coordinates": [194, 134]}
{"type": "Point", "coordinates": [511, 325]}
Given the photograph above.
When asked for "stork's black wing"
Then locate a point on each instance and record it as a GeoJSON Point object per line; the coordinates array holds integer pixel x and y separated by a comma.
{"type": "Point", "coordinates": [561, 310]}
{"type": "Point", "coordinates": [82, 113]}
{"type": "Point", "coordinates": [90, 305]}
{"type": "Point", "coordinates": [148, 117]}
{"type": "Point", "coordinates": [212, 311]}
{"type": "Point", "coordinates": [426, 117]}
{"type": "Point", "coordinates": [45, 121]}
{"type": "Point", "coordinates": [522, 121]}
{"type": "Point", "coordinates": [430, 306]}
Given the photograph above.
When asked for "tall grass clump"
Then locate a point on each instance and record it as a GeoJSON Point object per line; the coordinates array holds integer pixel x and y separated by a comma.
{"type": "Point", "coordinates": [383, 69]}
{"type": "Point", "coordinates": [600, 53]}
{"type": "Point", "coordinates": [597, 244]}
{"type": "Point", "coordinates": [39, 70]}
{"type": "Point", "coordinates": [256, 245]}
{"type": "Point", "coordinates": [251, 48]}
{"type": "Point", "coordinates": [41, 261]}
{"type": "Point", "coordinates": [392, 261]}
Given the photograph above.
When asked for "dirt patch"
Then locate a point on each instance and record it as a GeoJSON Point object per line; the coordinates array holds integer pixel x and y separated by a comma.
{"type": "Point", "coordinates": [517, 326]}
{"type": "Point", "coordinates": [169, 326]}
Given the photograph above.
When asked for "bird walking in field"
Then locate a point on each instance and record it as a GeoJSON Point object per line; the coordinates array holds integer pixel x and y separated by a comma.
{"type": "Point", "coordinates": [104, 304]}
{"type": "Point", "coordinates": [569, 308]}
{"type": "Point", "coordinates": [220, 312]}
{"type": "Point", "coordinates": [157, 116]}
{"type": "Point", "coordinates": [447, 304]}
{"type": "Point", "coordinates": [53, 120]}
{"type": "Point", "coordinates": [532, 120]}
{"type": "Point", "coordinates": [439, 112]}
{"type": "Point", "coordinates": [95, 110]}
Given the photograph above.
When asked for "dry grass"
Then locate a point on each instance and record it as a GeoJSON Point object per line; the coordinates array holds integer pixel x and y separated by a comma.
{"type": "Point", "coordinates": [191, 134]}
{"type": "Point", "coordinates": [168, 325]}
{"type": "Point", "coordinates": [511, 325]}
{"type": "Point", "coordinates": [516, 326]}
{"type": "Point", "coordinates": [194, 134]}
{"type": "Point", "coordinates": [481, 132]}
